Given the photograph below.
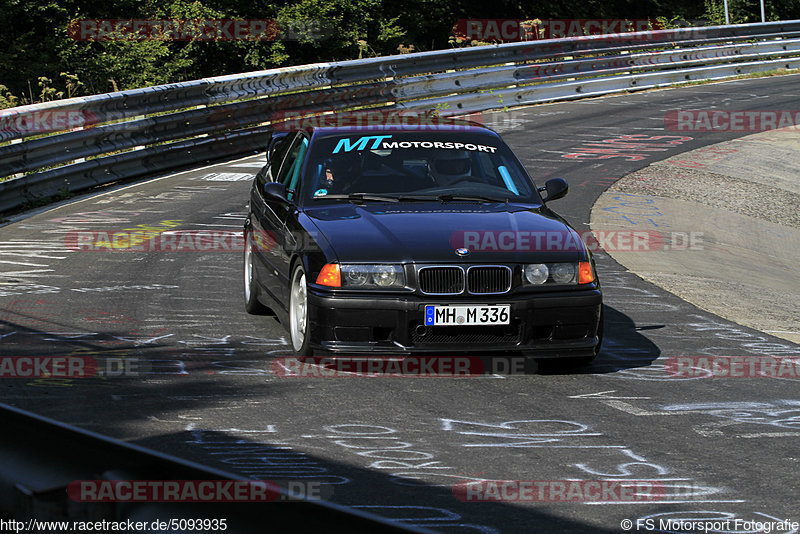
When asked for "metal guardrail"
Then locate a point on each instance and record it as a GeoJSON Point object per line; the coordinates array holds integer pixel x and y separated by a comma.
{"type": "Point", "coordinates": [138, 132]}
{"type": "Point", "coordinates": [41, 457]}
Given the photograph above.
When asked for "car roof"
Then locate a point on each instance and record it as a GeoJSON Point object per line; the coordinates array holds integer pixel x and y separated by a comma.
{"type": "Point", "coordinates": [432, 126]}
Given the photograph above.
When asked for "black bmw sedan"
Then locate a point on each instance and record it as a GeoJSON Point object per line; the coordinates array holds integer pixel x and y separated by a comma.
{"type": "Point", "coordinates": [416, 239]}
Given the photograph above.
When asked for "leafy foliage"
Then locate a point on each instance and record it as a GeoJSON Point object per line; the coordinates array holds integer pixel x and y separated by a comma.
{"type": "Point", "coordinates": [39, 60]}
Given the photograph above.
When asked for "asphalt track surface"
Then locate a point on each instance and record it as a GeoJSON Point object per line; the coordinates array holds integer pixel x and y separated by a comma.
{"type": "Point", "coordinates": [720, 448]}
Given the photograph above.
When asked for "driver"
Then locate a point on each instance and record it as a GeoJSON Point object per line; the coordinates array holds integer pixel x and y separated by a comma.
{"type": "Point", "coordinates": [337, 173]}
{"type": "Point", "coordinates": [328, 181]}
{"type": "Point", "coordinates": [451, 167]}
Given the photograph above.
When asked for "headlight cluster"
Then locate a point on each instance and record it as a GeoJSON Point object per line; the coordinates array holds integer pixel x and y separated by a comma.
{"type": "Point", "coordinates": [387, 276]}
{"type": "Point", "coordinates": [362, 276]}
{"type": "Point", "coordinates": [558, 273]}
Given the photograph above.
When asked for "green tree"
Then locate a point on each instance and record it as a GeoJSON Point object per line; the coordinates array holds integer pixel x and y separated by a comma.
{"type": "Point", "coordinates": [37, 42]}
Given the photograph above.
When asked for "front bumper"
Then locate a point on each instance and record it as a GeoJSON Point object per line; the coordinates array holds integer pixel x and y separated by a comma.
{"type": "Point", "coordinates": [543, 325]}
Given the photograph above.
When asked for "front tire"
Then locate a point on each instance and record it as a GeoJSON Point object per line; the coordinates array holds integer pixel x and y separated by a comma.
{"type": "Point", "coordinates": [251, 303]}
{"type": "Point", "coordinates": [298, 312]}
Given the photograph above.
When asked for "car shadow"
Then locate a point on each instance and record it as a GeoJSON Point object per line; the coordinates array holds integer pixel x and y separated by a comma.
{"type": "Point", "coordinates": [624, 347]}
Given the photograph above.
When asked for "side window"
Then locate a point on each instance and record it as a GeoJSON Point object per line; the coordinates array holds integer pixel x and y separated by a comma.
{"type": "Point", "coordinates": [276, 154]}
{"type": "Point", "coordinates": [288, 162]}
{"type": "Point", "coordinates": [278, 146]}
{"type": "Point", "coordinates": [276, 151]}
{"type": "Point", "coordinates": [290, 170]}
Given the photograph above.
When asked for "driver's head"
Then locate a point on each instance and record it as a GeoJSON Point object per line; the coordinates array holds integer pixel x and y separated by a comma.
{"type": "Point", "coordinates": [339, 170]}
{"type": "Point", "coordinates": [451, 166]}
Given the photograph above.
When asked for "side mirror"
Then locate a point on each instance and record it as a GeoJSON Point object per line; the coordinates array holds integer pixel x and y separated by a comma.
{"type": "Point", "coordinates": [556, 188]}
{"type": "Point", "coordinates": [276, 191]}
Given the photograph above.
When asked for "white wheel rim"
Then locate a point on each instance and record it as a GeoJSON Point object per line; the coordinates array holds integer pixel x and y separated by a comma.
{"type": "Point", "coordinates": [298, 309]}
{"type": "Point", "coordinates": [248, 267]}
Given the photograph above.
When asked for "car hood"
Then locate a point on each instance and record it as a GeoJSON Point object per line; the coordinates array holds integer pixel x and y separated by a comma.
{"type": "Point", "coordinates": [431, 232]}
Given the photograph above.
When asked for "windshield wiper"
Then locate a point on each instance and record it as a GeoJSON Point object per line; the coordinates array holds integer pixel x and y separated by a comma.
{"type": "Point", "coordinates": [449, 197]}
{"type": "Point", "coordinates": [360, 196]}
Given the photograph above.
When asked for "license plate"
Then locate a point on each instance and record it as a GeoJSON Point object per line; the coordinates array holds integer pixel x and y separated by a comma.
{"type": "Point", "coordinates": [441, 315]}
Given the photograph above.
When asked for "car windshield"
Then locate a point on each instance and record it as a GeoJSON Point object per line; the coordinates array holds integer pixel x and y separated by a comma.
{"type": "Point", "coordinates": [446, 166]}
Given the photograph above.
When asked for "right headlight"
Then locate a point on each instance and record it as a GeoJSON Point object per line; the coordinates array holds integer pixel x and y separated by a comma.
{"type": "Point", "coordinates": [563, 273]}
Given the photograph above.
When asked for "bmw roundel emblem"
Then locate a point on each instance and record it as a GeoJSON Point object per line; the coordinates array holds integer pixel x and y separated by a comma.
{"type": "Point", "coordinates": [462, 251]}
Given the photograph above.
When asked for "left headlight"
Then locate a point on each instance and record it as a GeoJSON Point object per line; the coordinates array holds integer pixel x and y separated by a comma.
{"type": "Point", "coordinates": [371, 276]}
{"type": "Point", "coordinates": [558, 273]}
